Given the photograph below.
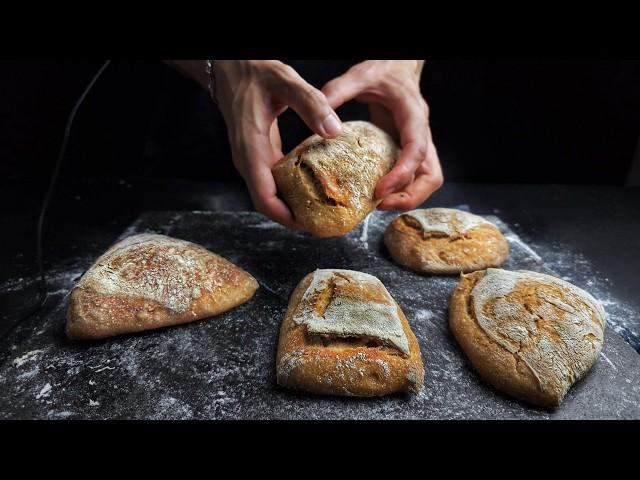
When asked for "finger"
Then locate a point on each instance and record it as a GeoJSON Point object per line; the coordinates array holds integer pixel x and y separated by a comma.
{"type": "Point", "coordinates": [344, 88]}
{"type": "Point", "coordinates": [428, 179]}
{"type": "Point", "coordinates": [263, 192]}
{"type": "Point", "coordinates": [310, 103]}
{"type": "Point", "coordinates": [381, 117]}
{"type": "Point", "coordinates": [276, 140]}
{"type": "Point", "coordinates": [414, 137]}
{"type": "Point", "coordinates": [254, 155]}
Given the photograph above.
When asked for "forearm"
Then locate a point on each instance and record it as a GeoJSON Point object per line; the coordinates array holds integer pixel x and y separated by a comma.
{"type": "Point", "coordinates": [193, 69]}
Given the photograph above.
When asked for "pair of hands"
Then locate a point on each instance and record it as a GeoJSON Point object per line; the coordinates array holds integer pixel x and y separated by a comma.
{"type": "Point", "coordinates": [252, 94]}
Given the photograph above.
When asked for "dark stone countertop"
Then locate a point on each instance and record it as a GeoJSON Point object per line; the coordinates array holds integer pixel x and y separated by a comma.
{"type": "Point", "coordinates": [224, 367]}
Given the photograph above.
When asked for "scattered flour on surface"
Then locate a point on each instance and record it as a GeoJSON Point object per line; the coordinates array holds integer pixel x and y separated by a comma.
{"type": "Point", "coordinates": [63, 414]}
{"type": "Point", "coordinates": [45, 392]}
{"type": "Point", "coordinates": [27, 357]}
{"type": "Point", "coordinates": [29, 374]}
{"type": "Point", "coordinates": [609, 361]}
{"type": "Point", "coordinates": [364, 238]}
{"type": "Point", "coordinates": [423, 315]}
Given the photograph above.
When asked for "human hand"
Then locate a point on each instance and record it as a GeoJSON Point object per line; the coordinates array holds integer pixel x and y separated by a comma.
{"type": "Point", "coordinates": [251, 94]}
{"type": "Point", "coordinates": [392, 90]}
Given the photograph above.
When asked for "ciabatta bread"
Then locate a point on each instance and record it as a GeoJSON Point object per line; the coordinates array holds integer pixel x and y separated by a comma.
{"type": "Point", "coordinates": [343, 334]}
{"type": "Point", "coordinates": [149, 281]}
{"type": "Point", "coordinates": [528, 334]}
{"type": "Point", "coordinates": [329, 184]}
{"type": "Point", "coordinates": [444, 241]}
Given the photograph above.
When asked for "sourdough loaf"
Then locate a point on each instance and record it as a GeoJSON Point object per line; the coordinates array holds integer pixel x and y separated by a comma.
{"type": "Point", "coordinates": [149, 281]}
{"type": "Point", "coordinates": [445, 241]}
{"type": "Point", "coordinates": [343, 334]}
{"type": "Point", "coordinates": [528, 334]}
{"type": "Point", "coordinates": [329, 184]}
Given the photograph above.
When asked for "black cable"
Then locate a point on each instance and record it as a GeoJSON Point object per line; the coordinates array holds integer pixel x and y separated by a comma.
{"type": "Point", "coordinates": [42, 286]}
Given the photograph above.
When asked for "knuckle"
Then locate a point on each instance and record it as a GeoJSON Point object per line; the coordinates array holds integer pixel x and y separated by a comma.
{"type": "Point", "coordinates": [283, 73]}
{"type": "Point", "coordinates": [438, 180]}
{"type": "Point", "coordinates": [312, 95]}
{"type": "Point", "coordinates": [421, 151]}
{"type": "Point", "coordinates": [283, 69]}
{"type": "Point", "coordinates": [426, 108]}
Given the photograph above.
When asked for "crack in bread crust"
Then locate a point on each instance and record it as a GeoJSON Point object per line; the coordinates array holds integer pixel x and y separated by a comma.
{"type": "Point", "coordinates": [338, 365]}
{"type": "Point", "coordinates": [345, 303]}
{"type": "Point", "coordinates": [329, 183]}
{"type": "Point", "coordinates": [528, 334]}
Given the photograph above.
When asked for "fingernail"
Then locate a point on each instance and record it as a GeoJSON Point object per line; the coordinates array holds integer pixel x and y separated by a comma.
{"type": "Point", "coordinates": [331, 125]}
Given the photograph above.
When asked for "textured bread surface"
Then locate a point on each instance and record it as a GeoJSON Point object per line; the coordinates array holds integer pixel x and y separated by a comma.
{"type": "Point", "coordinates": [528, 334]}
{"type": "Point", "coordinates": [149, 281]}
{"type": "Point", "coordinates": [329, 184]}
{"type": "Point", "coordinates": [445, 241]}
{"type": "Point", "coordinates": [365, 355]}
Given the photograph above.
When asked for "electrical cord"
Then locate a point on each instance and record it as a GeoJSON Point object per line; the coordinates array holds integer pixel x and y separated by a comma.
{"type": "Point", "coordinates": [42, 281]}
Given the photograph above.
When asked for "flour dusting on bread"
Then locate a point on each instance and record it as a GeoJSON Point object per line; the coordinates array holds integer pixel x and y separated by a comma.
{"type": "Point", "coordinates": [329, 184]}
{"type": "Point", "coordinates": [446, 220]}
{"type": "Point", "coordinates": [346, 303]}
{"type": "Point", "coordinates": [344, 165]}
{"type": "Point", "coordinates": [553, 326]}
{"type": "Point", "coordinates": [169, 271]}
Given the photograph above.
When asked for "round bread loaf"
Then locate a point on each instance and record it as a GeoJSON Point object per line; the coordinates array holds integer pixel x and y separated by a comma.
{"type": "Point", "coordinates": [528, 334]}
{"type": "Point", "coordinates": [329, 184]}
{"type": "Point", "coordinates": [445, 240]}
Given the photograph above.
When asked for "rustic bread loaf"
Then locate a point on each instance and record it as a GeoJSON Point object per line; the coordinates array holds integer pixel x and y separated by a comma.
{"type": "Point", "coordinates": [343, 334]}
{"type": "Point", "coordinates": [329, 184]}
{"type": "Point", "coordinates": [444, 241]}
{"type": "Point", "coordinates": [149, 281]}
{"type": "Point", "coordinates": [528, 334]}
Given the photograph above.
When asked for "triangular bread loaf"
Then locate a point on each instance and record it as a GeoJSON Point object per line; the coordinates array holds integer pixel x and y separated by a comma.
{"type": "Point", "coordinates": [149, 281]}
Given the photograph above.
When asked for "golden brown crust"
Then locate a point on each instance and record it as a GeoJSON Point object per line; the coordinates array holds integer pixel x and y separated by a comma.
{"type": "Point", "coordinates": [344, 367]}
{"type": "Point", "coordinates": [563, 359]}
{"type": "Point", "coordinates": [481, 247]}
{"type": "Point", "coordinates": [329, 184]}
{"type": "Point", "coordinates": [505, 371]}
{"type": "Point", "coordinates": [95, 311]}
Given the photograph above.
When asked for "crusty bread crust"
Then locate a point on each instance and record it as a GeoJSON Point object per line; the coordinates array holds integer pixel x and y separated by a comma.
{"type": "Point", "coordinates": [329, 184]}
{"type": "Point", "coordinates": [343, 367]}
{"type": "Point", "coordinates": [216, 285]}
{"type": "Point", "coordinates": [481, 247]}
{"type": "Point", "coordinates": [507, 371]}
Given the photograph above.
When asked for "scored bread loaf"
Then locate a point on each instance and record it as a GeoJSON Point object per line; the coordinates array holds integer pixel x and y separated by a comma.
{"type": "Point", "coordinates": [149, 281]}
{"type": "Point", "coordinates": [329, 184]}
{"type": "Point", "coordinates": [445, 241]}
{"type": "Point", "coordinates": [343, 334]}
{"type": "Point", "coordinates": [528, 334]}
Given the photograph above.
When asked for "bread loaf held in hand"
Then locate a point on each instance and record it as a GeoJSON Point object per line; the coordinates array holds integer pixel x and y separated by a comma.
{"type": "Point", "coordinates": [343, 334]}
{"type": "Point", "coordinates": [149, 281]}
{"type": "Point", "coordinates": [329, 184]}
{"type": "Point", "coordinates": [529, 334]}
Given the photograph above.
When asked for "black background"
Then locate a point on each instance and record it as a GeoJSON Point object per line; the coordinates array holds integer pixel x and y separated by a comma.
{"type": "Point", "coordinates": [528, 121]}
